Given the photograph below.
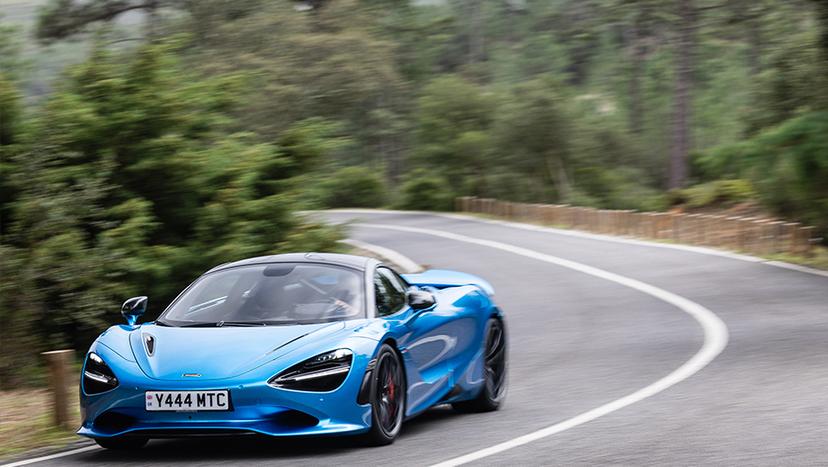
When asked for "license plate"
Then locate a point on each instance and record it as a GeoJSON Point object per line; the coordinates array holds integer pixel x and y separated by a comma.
{"type": "Point", "coordinates": [187, 400]}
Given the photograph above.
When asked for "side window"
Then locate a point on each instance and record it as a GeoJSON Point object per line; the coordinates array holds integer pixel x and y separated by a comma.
{"type": "Point", "coordinates": [390, 292]}
{"type": "Point", "coordinates": [401, 284]}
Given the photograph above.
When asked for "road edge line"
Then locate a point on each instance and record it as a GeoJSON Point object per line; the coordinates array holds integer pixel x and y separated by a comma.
{"type": "Point", "coordinates": [714, 330]}
{"type": "Point", "coordinates": [50, 456]}
{"type": "Point", "coordinates": [607, 238]}
{"type": "Point", "coordinates": [404, 263]}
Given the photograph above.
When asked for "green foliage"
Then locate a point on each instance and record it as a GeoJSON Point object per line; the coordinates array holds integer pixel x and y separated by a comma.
{"type": "Point", "coordinates": [794, 84]}
{"type": "Point", "coordinates": [426, 191]}
{"type": "Point", "coordinates": [453, 119]}
{"type": "Point", "coordinates": [130, 183]}
{"type": "Point", "coordinates": [9, 136]}
{"type": "Point", "coordinates": [61, 19]}
{"type": "Point", "coordinates": [16, 321]}
{"type": "Point", "coordinates": [10, 96]}
{"type": "Point", "coordinates": [718, 193]}
{"type": "Point", "coordinates": [787, 164]}
{"type": "Point", "coordinates": [533, 136]}
{"type": "Point", "coordinates": [195, 130]}
{"type": "Point", "coordinates": [354, 187]}
{"type": "Point", "coordinates": [615, 189]}
{"type": "Point", "coordinates": [10, 46]}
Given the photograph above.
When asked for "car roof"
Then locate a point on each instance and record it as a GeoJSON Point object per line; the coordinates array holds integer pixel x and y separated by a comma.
{"type": "Point", "coordinates": [353, 261]}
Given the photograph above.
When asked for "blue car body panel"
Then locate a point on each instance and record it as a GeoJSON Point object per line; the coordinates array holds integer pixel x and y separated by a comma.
{"type": "Point", "coordinates": [441, 348]}
{"type": "Point", "coordinates": [441, 278]}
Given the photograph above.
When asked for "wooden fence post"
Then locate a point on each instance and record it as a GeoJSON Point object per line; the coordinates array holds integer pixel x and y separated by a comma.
{"type": "Point", "coordinates": [676, 225]}
{"type": "Point", "coordinates": [591, 219]}
{"type": "Point", "coordinates": [788, 237]}
{"type": "Point", "coordinates": [626, 222]}
{"type": "Point", "coordinates": [776, 236]}
{"type": "Point", "coordinates": [60, 363]}
{"type": "Point", "coordinates": [654, 225]}
{"type": "Point", "coordinates": [802, 240]}
{"type": "Point", "coordinates": [743, 234]}
{"type": "Point", "coordinates": [732, 232]}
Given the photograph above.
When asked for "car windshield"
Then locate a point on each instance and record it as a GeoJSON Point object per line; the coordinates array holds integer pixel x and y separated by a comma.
{"type": "Point", "coordinates": [270, 294]}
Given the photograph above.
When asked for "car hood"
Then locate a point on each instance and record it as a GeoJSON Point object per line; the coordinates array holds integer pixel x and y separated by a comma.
{"type": "Point", "coordinates": [169, 353]}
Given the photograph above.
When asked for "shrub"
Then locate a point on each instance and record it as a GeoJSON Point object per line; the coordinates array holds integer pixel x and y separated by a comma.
{"type": "Point", "coordinates": [614, 189]}
{"type": "Point", "coordinates": [353, 187]}
{"type": "Point", "coordinates": [787, 164]}
{"type": "Point", "coordinates": [425, 191]}
{"type": "Point", "coordinates": [718, 193]}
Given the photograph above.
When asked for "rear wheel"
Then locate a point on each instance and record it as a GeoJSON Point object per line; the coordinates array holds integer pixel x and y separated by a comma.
{"type": "Point", "coordinates": [494, 389]}
{"type": "Point", "coordinates": [122, 443]}
{"type": "Point", "coordinates": [387, 398]}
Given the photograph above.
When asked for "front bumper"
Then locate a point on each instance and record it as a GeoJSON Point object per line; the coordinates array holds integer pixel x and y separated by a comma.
{"type": "Point", "coordinates": [255, 408]}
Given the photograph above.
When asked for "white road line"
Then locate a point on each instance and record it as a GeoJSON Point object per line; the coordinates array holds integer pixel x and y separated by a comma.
{"type": "Point", "coordinates": [52, 456]}
{"type": "Point", "coordinates": [796, 267]}
{"type": "Point", "coordinates": [606, 238]}
{"type": "Point", "coordinates": [405, 264]}
{"type": "Point", "coordinates": [715, 339]}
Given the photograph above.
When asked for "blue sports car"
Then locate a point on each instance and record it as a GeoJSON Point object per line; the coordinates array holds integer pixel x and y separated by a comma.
{"type": "Point", "coordinates": [296, 344]}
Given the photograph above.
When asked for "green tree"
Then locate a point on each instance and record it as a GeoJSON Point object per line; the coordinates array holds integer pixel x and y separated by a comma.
{"type": "Point", "coordinates": [453, 121]}
{"type": "Point", "coordinates": [130, 184]}
{"type": "Point", "coordinates": [788, 165]}
{"type": "Point", "coordinates": [533, 139]}
{"type": "Point", "coordinates": [62, 19]}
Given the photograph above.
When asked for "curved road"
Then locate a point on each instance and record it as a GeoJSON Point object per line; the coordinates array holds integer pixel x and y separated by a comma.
{"type": "Point", "coordinates": [579, 342]}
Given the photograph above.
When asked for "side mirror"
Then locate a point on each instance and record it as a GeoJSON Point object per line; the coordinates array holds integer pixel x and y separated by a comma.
{"type": "Point", "coordinates": [133, 308]}
{"type": "Point", "coordinates": [420, 299]}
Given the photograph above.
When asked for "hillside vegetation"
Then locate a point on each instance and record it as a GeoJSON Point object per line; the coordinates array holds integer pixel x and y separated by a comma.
{"type": "Point", "coordinates": [186, 134]}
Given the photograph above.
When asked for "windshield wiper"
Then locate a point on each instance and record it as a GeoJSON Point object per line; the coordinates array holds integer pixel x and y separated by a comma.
{"type": "Point", "coordinates": [210, 324]}
{"type": "Point", "coordinates": [240, 323]}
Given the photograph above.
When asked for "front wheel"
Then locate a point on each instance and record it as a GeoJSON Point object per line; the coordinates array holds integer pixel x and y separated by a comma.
{"type": "Point", "coordinates": [494, 389]}
{"type": "Point", "coordinates": [387, 398]}
{"type": "Point", "coordinates": [122, 443]}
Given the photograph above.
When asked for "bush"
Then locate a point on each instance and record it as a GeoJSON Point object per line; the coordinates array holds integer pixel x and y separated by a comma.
{"type": "Point", "coordinates": [718, 193]}
{"type": "Point", "coordinates": [354, 187]}
{"type": "Point", "coordinates": [787, 164]}
{"type": "Point", "coordinates": [614, 189]}
{"type": "Point", "coordinates": [425, 191]}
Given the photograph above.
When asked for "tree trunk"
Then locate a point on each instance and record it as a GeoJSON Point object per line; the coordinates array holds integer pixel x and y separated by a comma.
{"type": "Point", "coordinates": [682, 101]}
{"type": "Point", "coordinates": [556, 170]}
{"type": "Point", "coordinates": [755, 44]}
{"type": "Point", "coordinates": [476, 32]}
{"type": "Point", "coordinates": [822, 18]}
{"type": "Point", "coordinates": [637, 49]}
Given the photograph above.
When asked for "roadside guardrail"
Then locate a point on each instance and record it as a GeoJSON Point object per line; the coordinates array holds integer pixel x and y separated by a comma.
{"type": "Point", "coordinates": [759, 236]}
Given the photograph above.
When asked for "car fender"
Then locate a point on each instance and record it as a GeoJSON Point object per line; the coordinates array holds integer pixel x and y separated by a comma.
{"type": "Point", "coordinates": [442, 278]}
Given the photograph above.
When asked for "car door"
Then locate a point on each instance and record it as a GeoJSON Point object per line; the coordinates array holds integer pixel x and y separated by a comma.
{"type": "Point", "coordinates": [425, 339]}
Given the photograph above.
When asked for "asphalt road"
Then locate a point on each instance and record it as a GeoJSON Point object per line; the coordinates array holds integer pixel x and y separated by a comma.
{"type": "Point", "coordinates": [578, 342]}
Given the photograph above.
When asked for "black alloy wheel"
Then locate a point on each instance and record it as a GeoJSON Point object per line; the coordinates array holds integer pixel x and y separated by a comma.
{"type": "Point", "coordinates": [387, 398]}
{"type": "Point", "coordinates": [493, 393]}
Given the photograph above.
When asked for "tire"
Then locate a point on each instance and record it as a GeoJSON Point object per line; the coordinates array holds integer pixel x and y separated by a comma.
{"type": "Point", "coordinates": [493, 393]}
{"type": "Point", "coordinates": [387, 398]}
{"type": "Point", "coordinates": [122, 443]}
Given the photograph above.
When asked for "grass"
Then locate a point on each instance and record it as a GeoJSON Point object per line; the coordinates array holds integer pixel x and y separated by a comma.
{"type": "Point", "coordinates": [26, 421]}
{"type": "Point", "coordinates": [817, 260]}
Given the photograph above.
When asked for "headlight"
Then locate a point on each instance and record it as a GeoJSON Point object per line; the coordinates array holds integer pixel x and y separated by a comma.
{"type": "Point", "coordinates": [97, 377]}
{"type": "Point", "coordinates": [324, 372]}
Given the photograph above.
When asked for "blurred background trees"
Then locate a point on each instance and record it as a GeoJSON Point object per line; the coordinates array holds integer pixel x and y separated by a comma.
{"type": "Point", "coordinates": [143, 141]}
